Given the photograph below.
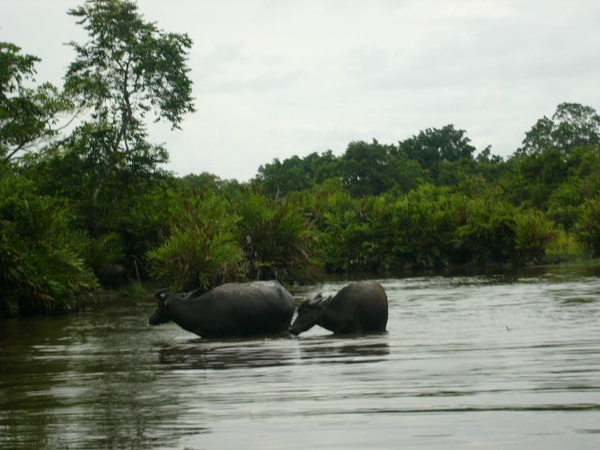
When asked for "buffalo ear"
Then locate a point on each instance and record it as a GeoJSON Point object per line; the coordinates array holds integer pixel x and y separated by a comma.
{"type": "Point", "coordinates": [315, 299]}
{"type": "Point", "coordinates": [161, 295]}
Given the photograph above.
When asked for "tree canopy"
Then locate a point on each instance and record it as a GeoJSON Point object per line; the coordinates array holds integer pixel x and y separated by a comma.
{"type": "Point", "coordinates": [572, 125]}
{"type": "Point", "coordinates": [27, 115]}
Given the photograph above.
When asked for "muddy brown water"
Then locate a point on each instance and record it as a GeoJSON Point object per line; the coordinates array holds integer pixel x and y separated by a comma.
{"type": "Point", "coordinates": [495, 361]}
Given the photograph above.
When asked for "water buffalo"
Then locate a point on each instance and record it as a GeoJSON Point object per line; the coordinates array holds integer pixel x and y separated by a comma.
{"type": "Point", "coordinates": [359, 307]}
{"type": "Point", "coordinates": [230, 310]}
{"type": "Point", "coordinates": [113, 275]}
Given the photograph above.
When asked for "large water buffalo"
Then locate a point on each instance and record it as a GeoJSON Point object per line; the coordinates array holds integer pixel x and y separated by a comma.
{"type": "Point", "coordinates": [230, 310]}
{"type": "Point", "coordinates": [359, 307]}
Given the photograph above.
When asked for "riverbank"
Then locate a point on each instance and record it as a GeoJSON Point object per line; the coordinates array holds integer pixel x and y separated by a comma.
{"type": "Point", "coordinates": [144, 292]}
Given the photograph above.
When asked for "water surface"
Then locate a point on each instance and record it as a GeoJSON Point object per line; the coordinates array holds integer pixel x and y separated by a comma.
{"type": "Point", "coordinates": [502, 361]}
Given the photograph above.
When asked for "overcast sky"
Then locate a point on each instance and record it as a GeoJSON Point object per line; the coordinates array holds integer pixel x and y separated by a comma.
{"type": "Point", "coordinates": [279, 78]}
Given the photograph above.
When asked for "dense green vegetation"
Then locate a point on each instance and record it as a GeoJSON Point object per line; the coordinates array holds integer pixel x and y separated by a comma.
{"type": "Point", "coordinates": [72, 204]}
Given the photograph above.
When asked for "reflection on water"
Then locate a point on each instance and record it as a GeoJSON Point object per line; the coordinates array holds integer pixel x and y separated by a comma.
{"type": "Point", "coordinates": [501, 361]}
{"type": "Point", "coordinates": [344, 350]}
{"type": "Point", "coordinates": [200, 354]}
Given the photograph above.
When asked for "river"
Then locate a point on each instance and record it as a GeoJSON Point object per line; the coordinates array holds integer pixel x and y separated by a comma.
{"type": "Point", "coordinates": [490, 361]}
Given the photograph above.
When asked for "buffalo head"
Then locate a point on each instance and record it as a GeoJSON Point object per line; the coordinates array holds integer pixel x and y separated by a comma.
{"type": "Point", "coordinates": [309, 314]}
{"type": "Point", "coordinates": [161, 315]}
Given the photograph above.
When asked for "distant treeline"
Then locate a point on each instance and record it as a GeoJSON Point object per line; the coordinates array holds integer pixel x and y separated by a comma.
{"type": "Point", "coordinates": [433, 200]}
{"type": "Point", "coordinates": [76, 206]}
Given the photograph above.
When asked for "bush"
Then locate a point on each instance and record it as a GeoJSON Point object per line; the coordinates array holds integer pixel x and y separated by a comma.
{"type": "Point", "coordinates": [497, 232]}
{"type": "Point", "coordinates": [388, 232]}
{"type": "Point", "coordinates": [564, 247]}
{"type": "Point", "coordinates": [488, 233]}
{"type": "Point", "coordinates": [587, 229]}
{"type": "Point", "coordinates": [277, 240]}
{"type": "Point", "coordinates": [41, 266]}
{"type": "Point", "coordinates": [424, 223]}
{"type": "Point", "coordinates": [106, 249]}
{"type": "Point", "coordinates": [202, 249]}
{"type": "Point", "coordinates": [344, 239]}
{"type": "Point", "coordinates": [533, 233]}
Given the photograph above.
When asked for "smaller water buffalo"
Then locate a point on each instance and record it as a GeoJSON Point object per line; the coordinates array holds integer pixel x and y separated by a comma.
{"type": "Point", "coordinates": [229, 310]}
{"type": "Point", "coordinates": [359, 307]}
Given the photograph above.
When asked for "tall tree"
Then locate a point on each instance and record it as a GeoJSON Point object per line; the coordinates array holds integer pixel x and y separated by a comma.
{"type": "Point", "coordinates": [281, 178]}
{"type": "Point", "coordinates": [127, 71]}
{"type": "Point", "coordinates": [296, 174]}
{"type": "Point", "coordinates": [557, 154]}
{"type": "Point", "coordinates": [372, 168]}
{"type": "Point", "coordinates": [572, 125]}
{"type": "Point", "coordinates": [435, 146]}
{"type": "Point", "coordinates": [27, 115]}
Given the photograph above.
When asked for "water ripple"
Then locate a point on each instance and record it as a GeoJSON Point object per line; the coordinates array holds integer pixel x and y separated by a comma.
{"type": "Point", "coordinates": [505, 360]}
